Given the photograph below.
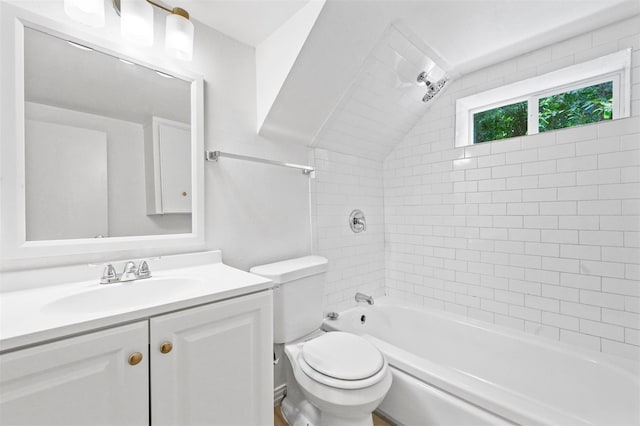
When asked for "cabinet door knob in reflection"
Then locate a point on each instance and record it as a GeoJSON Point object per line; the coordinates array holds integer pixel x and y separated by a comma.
{"type": "Point", "coordinates": [135, 358]}
{"type": "Point", "coordinates": [184, 194]}
{"type": "Point", "coordinates": [166, 347]}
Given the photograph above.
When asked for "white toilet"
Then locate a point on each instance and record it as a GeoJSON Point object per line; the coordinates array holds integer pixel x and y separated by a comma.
{"type": "Point", "coordinates": [333, 378]}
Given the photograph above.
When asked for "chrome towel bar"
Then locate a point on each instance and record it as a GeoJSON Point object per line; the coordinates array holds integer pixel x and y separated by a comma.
{"type": "Point", "coordinates": [213, 156]}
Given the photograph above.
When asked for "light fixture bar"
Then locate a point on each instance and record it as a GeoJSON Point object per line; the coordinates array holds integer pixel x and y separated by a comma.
{"type": "Point", "coordinates": [176, 10]}
{"type": "Point", "coordinates": [158, 5]}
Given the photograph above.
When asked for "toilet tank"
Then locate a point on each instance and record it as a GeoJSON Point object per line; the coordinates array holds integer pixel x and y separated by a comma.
{"type": "Point", "coordinates": [297, 296]}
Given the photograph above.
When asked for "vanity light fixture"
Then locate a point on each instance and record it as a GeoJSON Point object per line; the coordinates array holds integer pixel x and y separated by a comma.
{"type": "Point", "coordinates": [178, 39]}
{"type": "Point", "coordinates": [136, 21]}
{"type": "Point", "coordinates": [136, 24]}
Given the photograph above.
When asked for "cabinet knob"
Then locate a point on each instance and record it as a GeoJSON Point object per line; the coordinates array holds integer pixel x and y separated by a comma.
{"type": "Point", "coordinates": [166, 347]}
{"type": "Point", "coordinates": [135, 358]}
{"type": "Point", "coordinates": [184, 194]}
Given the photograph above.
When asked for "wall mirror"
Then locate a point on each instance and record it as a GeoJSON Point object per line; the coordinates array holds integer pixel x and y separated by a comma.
{"type": "Point", "coordinates": [107, 144]}
{"type": "Point", "coordinates": [108, 148]}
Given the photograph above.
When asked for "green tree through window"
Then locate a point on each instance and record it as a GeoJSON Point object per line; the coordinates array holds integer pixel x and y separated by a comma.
{"type": "Point", "coordinates": [568, 109]}
{"type": "Point", "coordinates": [576, 107]}
{"type": "Point", "coordinates": [499, 123]}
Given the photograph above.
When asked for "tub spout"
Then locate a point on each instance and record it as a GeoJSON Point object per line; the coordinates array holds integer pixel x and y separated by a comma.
{"type": "Point", "coordinates": [361, 297]}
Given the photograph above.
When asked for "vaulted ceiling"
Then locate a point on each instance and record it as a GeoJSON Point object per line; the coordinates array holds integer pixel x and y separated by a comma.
{"type": "Point", "coordinates": [337, 64]}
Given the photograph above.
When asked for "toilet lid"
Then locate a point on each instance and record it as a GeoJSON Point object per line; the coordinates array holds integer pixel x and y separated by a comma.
{"type": "Point", "coordinates": [343, 356]}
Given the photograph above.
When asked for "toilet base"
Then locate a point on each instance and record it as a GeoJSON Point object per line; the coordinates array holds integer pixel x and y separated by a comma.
{"type": "Point", "coordinates": [300, 413]}
{"type": "Point", "coordinates": [327, 419]}
{"type": "Point", "coordinates": [303, 413]}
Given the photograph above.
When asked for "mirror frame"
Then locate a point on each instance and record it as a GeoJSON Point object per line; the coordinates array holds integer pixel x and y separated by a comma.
{"type": "Point", "coordinates": [15, 251]}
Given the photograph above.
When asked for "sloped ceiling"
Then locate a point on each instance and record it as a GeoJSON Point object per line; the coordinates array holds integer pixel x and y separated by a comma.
{"type": "Point", "coordinates": [383, 103]}
{"type": "Point", "coordinates": [320, 103]}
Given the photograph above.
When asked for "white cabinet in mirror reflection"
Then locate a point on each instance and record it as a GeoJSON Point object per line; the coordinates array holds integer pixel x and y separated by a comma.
{"type": "Point", "coordinates": [167, 153]}
{"type": "Point", "coordinates": [59, 205]}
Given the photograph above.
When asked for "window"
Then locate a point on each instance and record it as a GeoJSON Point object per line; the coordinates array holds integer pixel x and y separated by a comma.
{"type": "Point", "coordinates": [580, 94]}
{"type": "Point", "coordinates": [576, 107]}
{"type": "Point", "coordinates": [499, 123]}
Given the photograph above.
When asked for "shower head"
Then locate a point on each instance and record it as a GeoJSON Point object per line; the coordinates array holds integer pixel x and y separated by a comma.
{"type": "Point", "coordinates": [433, 87]}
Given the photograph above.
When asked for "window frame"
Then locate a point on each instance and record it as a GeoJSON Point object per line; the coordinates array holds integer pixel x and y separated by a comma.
{"type": "Point", "coordinates": [614, 67]}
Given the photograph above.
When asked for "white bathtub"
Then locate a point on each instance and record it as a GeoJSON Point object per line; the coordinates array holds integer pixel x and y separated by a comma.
{"type": "Point", "coordinates": [452, 371]}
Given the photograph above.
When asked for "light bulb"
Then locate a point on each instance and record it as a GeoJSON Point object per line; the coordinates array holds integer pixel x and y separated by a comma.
{"type": "Point", "coordinates": [178, 41]}
{"type": "Point", "coordinates": [137, 21]}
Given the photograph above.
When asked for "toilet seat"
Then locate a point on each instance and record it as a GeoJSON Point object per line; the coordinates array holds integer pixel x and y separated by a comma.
{"type": "Point", "coordinates": [342, 360]}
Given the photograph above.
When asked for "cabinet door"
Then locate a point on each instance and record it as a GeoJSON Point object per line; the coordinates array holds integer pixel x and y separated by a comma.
{"type": "Point", "coordinates": [175, 167]}
{"type": "Point", "coordinates": [167, 162]}
{"type": "Point", "coordinates": [84, 380]}
{"type": "Point", "coordinates": [219, 371]}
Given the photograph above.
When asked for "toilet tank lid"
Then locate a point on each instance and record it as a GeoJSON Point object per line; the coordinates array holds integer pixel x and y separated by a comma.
{"type": "Point", "coordinates": [291, 269]}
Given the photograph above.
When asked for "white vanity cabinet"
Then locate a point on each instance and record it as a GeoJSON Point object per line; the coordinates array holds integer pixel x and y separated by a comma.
{"type": "Point", "coordinates": [83, 380]}
{"type": "Point", "coordinates": [210, 364]}
{"type": "Point", "coordinates": [217, 368]}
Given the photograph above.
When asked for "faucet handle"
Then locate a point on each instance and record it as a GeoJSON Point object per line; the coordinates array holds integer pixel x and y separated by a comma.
{"type": "Point", "coordinates": [143, 270]}
{"type": "Point", "coordinates": [129, 272]}
{"type": "Point", "coordinates": [129, 267]}
{"type": "Point", "coordinates": [109, 275]}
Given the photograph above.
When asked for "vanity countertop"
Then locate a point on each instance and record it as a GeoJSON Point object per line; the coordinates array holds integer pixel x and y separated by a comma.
{"type": "Point", "coordinates": [41, 314]}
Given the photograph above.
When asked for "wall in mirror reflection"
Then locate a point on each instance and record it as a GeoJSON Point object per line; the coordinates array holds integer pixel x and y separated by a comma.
{"type": "Point", "coordinates": [90, 146]}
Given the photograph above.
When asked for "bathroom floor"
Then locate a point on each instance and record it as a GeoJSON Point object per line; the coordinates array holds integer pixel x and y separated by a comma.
{"type": "Point", "coordinates": [278, 420]}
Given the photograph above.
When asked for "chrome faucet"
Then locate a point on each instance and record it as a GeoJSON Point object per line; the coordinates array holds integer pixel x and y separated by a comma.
{"type": "Point", "coordinates": [129, 273]}
{"type": "Point", "coordinates": [361, 297]}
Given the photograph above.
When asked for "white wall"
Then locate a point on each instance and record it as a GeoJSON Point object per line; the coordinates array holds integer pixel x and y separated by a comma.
{"type": "Point", "coordinates": [255, 213]}
{"type": "Point", "coordinates": [539, 233]}
{"type": "Point", "coordinates": [277, 53]}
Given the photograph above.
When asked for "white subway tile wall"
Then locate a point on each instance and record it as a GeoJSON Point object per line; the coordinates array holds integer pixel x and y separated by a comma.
{"type": "Point", "coordinates": [374, 115]}
{"type": "Point", "coordinates": [356, 261]}
{"type": "Point", "coordinates": [539, 233]}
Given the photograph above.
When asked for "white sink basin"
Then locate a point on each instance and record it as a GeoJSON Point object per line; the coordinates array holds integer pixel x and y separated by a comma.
{"type": "Point", "coordinates": [126, 295]}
